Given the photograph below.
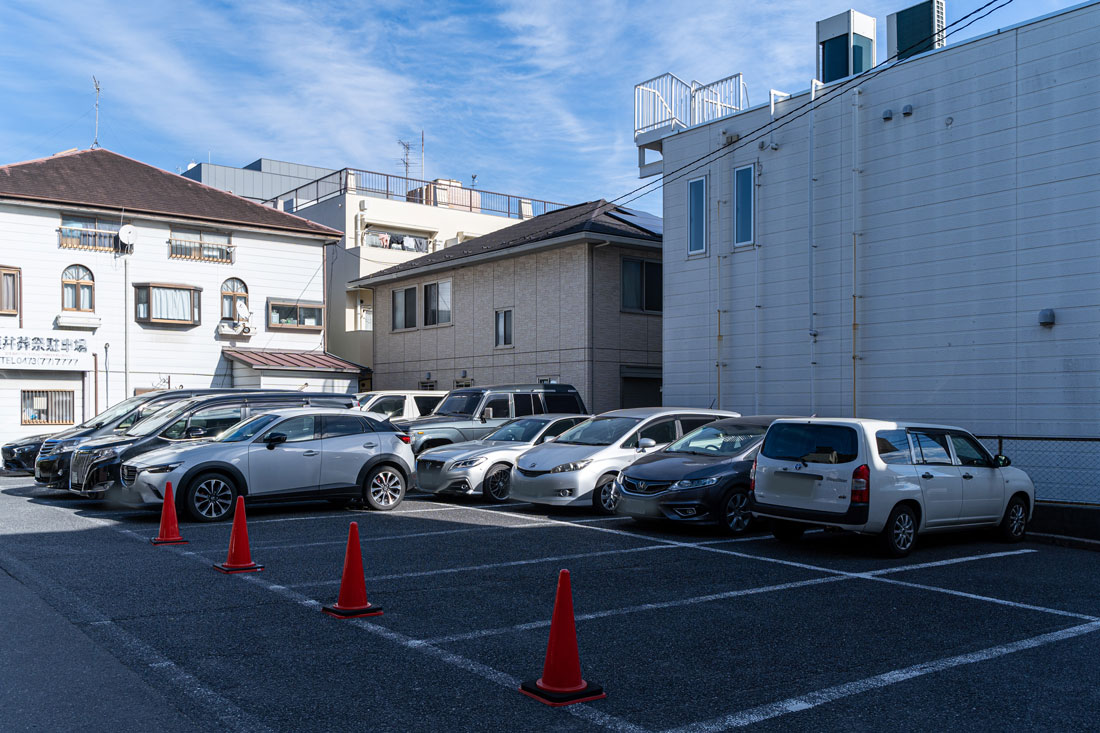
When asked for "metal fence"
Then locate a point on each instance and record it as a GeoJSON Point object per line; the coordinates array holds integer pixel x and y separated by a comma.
{"type": "Point", "coordinates": [667, 100]}
{"type": "Point", "coordinates": [1063, 469]}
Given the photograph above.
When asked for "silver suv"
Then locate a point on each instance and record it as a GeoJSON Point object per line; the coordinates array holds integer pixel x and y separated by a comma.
{"type": "Point", "coordinates": [299, 453]}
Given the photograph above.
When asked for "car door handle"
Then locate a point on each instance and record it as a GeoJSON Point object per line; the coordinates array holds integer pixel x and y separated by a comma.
{"type": "Point", "coordinates": [310, 453]}
{"type": "Point", "coordinates": [368, 445]}
{"type": "Point", "coordinates": [926, 475]}
{"type": "Point", "coordinates": [967, 476]}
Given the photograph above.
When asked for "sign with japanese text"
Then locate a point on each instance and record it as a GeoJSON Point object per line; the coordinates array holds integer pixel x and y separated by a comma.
{"type": "Point", "coordinates": [54, 350]}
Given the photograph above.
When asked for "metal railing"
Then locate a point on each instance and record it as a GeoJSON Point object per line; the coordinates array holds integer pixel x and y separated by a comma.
{"type": "Point", "coordinates": [189, 249]}
{"type": "Point", "coordinates": [668, 100]}
{"type": "Point", "coordinates": [441, 193]}
{"type": "Point", "coordinates": [48, 407]}
{"type": "Point", "coordinates": [1062, 469]}
{"type": "Point", "coordinates": [91, 239]}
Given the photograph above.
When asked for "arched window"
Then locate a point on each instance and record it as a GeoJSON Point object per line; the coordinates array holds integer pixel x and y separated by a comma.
{"type": "Point", "coordinates": [234, 299]}
{"type": "Point", "coordinates": [77, 289]}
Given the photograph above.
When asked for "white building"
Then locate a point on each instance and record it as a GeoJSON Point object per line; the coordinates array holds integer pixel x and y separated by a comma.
{"type": "Point", "coordinates": [923, 244]}
{"type": "Point", "coordinates": [118, 277]}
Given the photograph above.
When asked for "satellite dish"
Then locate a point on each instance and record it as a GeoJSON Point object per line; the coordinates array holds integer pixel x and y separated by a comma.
{"type": "Point", "coordinates": [243, 314]}
{"type": "Point", "coordinates": [127, 234]}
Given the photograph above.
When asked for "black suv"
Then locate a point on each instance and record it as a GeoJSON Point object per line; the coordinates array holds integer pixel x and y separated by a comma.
{"type": "Point", "coordinates": [470, 413]}
{"type": "Point", "coordinates": [51, 467]}
{"type": "Point", "coordinates": [95, 464]}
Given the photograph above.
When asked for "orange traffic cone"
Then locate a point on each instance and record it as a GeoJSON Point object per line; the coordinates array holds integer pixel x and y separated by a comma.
{"type": "Point", "coordinates": [561, 682]}
{"type": "Point", "coordinates": [169, 533]}
{"type": "Point", "coordinates": [239, 559]}
{"type": "Point", "coordinates": [352, 601]}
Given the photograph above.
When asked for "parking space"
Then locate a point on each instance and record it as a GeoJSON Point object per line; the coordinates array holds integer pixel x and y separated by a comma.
{"type": "Point", "coordinates": [684, 629]}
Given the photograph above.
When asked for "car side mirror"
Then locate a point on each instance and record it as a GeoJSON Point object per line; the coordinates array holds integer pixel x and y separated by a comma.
{"type": "Point", "coordinates": [195, 432]}
{"type": "Point", "coordinates": [646, 443]}
{"type": "Point", "coordinates": [1002, 461]}
{"type": "Point", "coordinates": [275, 439]}
{"type": "Point", "coordinates": [549, 439]}
{"type": "Point", "coordinates": [487, 414]}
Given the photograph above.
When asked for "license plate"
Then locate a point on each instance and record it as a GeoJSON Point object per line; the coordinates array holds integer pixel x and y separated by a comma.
{"type": "Point", "coordinates": [794, 484]}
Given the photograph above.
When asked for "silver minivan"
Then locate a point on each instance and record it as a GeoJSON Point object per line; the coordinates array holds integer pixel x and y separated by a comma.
{"type": "Point", "coordinates": [890, 479]}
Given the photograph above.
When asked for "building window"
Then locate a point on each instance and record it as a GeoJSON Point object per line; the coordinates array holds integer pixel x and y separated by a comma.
{"type": "Point", "coordinates": [426, 384]}
{"type": "Point", "coordinates": [641, 288]}
{"type": "Point", "coordinates": [88, 232]}
{"type": "Point", "coordinates": [234, 300]}
{"type": "Point", "coordinates": [9, 291]}
{"type": "Point", "coordinates": [743, 192]}
{"type": "Point", "coordinates": [188, 244]}
{"type": "Point", "coordinates": [465, 382]}
{"type": "Point", "coordinates": [437, 303]}
{"type": "Point", "coordinates": [47, 406]}
{"type": "Point", "coordinates": [697, 216]}
{"type": "Point", "coordinates": [504, 328]}
{"type": "Point", "coordinates": [169, 304]}
{"type": "Point", "coordinates": [287, 314]}
{"type": "Point", "coordinates": [404, 308]}
{"type": "Point", "coordinates": [77, 289]}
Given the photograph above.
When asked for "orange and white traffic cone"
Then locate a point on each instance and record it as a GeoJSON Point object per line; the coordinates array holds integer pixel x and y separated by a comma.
{"type": "Point", "coordinates": [169, 533]}
{"type": "Point", "coordinates": [561, 682]}
{"type": "Point", "coordinates": [352, 601]}
{"type": "Point", "coordinates": [239, 559]}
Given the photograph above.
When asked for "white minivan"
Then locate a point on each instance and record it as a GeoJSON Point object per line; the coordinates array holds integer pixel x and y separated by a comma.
{"type": "Point", "coordinates": [891, 479]}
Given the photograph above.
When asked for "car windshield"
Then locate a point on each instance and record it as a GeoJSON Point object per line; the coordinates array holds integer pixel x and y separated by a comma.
{"type": "Point", "coordinates": [599, 431]}
{"type": "Point", "coordinates": [709, 440]}
{"type": "Point", "coordinates": [518, 431]}
{"type": "Point", "coordinates": [113, 413]}
{"type": "Point", "coordinates": [245, 429]}
{"type": "Point", "coordinates": [459, 404]}
{"type": "Point", "coordinates": [160, 419]}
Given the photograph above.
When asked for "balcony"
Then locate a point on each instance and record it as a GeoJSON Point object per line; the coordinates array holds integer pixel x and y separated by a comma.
{"type": "Point", "coordinates": [96, 240]}
{"type": "Point", "coordinates": [188, 249]}
{"type": "Point", "coordinates": [442, 193]}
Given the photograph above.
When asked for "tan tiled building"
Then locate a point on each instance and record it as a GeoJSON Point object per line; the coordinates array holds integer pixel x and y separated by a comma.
{"type": "Point", "coordinates": [571, 296]}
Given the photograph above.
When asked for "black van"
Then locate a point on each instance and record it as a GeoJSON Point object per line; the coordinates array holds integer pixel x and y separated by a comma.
{"type": "Point", "coordinates": [95, 464]}
{"type": "Point", "coordinates": [51, 467]}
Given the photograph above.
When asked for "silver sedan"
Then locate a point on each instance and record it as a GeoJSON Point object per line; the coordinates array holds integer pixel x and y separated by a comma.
{"type": "Point", "coordinates": [485, 466]}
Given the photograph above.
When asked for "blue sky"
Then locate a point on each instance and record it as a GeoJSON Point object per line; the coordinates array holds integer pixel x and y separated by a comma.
{"type": "Point", "coordinates": [536, 98]}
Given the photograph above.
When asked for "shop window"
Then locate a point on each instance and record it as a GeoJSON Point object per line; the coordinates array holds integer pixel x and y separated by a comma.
{"type": "Point", "coordinates": [47, 406]}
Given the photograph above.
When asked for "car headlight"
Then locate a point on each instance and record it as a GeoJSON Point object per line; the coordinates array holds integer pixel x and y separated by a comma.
{"type": "Point", "coordinates": [468, 462]}
{"type": "Point", "coordinates": [67, 447]}
{"type": "Point", "coordinates": [25, 449]}
{"type": "Point", "coordinates": [161, 468]}
{"type": "Point", "coordinates": [695, 483]}
{"type": "Point", "coordinates": [104, 453]}
{"type": "Point", "coordinates": [574, 466]}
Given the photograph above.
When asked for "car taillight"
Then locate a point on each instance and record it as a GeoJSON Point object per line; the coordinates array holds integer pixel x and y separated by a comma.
{"type": "Point", "coordinates": [861, 485]}
{"type": "Point", "coordinates": [752, 476]}
{"type": "Point", "coordinates": [404, 438]}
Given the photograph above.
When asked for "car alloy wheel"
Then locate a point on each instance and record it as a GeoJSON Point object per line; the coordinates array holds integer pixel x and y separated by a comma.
{"type": "Point", "coordinates": [902, 531]}
{"type": "Point", "coordinates": [498, 483]}
{"type": "Point", "coordinates": [213, 498]}
{"type": "Point", "coordinates": [1017, 519]}
{"type": "Point", "coordinates": [738, 517]}
{"type": "Point", "coordinates": [609, 499]}
{"type": "Point", "coordinates": [385, 488]}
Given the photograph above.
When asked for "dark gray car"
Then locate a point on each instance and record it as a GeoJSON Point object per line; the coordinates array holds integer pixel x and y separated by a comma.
{"type": "Point", "coordinates": [474, 412]}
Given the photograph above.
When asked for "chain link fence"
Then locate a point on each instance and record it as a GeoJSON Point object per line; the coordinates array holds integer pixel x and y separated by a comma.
{"type": "Point", "coordinates": [1063, 469]}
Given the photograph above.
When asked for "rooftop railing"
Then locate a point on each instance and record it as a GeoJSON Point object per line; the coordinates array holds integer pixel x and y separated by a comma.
{"type": "Point", "coordinates": [441, 192]}
{"type": "Point", "coordinates": [667, 100]}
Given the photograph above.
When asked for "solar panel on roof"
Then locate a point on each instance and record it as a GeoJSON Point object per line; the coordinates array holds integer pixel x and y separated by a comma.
{"type": "Point", "coordinates": [642, 219]}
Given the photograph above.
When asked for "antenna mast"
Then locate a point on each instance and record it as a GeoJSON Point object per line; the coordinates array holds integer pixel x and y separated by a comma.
{"type": "Point", "coordinates": [95, 142]}
{"type": "Point", "coordinates": [406, 157]}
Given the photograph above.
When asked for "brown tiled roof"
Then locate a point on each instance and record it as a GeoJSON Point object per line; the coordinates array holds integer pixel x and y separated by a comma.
{"type": "Point", "coordinates": [104, 179]}
{"type": "Point", "coordinates": [593, 217]}
{"type": "Point", "coordinates": [308, 361]}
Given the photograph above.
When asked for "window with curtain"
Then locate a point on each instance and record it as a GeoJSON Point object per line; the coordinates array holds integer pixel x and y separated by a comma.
{"type": "Point", "coordinates": [193, 244]}
{"type": "Point", "coordinates": [9, 291]}
{"type": "Point", "coordinates": [77, 289]}
{"type": "Point", "coordinates": [234, 299]}
{"type": "Point", "coordinates": [437, 303]}
{"type": "Point", "coordinates": [642, 287]}
{"type": "Point", "coordinates": [743, 204]}
{"type": "Point", "coordinates": [404, 308]}
{"type": "Point", "coordinates": [697, 216]}
{"type": "Point", "coordinates": [88, 232]}
{"type": "Point", "coordinates": [288, 314]}
{"type": "Point", "coordinates": [167, 304]}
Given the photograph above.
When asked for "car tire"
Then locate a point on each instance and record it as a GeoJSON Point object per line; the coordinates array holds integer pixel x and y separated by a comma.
{"type": "Point", "coordinates": [900, 534]}
{"type": "Point", "coordinates": [736, 519]}
{"type": "Point", "coordinates": [497, 484]}
{"type": "Point", "coordinates": [384, 488]}
{"type": "Point", "coordinates": [210, 497]}
{"type": "Point", "coordinates": [787, 532]}
{"type": "Point", "coordinates": [1013, 527]}
{"type": "Point", "coordinates": [603, 496]}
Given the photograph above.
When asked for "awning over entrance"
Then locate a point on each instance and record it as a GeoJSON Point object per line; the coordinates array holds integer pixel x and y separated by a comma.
{"type": "Point", "coordinates": [307, 361]}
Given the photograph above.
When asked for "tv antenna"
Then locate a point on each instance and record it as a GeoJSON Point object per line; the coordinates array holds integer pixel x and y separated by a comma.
{"type": "Point", "coordinates": [95, 142]}
{"type": "Point", "coordinates": [473, 181]}
{"type": "Point", "coordinates": [406, 157]}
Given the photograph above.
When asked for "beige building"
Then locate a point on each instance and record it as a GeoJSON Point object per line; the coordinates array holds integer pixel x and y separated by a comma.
{"type": "Point", "coordinates": [571, 296]}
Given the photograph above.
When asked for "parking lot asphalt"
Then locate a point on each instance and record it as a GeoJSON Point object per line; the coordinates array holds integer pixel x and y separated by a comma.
{"type": "Point", "coordinates": [685, 629]}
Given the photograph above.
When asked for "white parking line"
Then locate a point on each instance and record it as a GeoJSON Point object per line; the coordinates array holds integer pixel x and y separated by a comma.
{"type": "Point", "coordinates": [831, 694]}
{"type": "Point", "coordinates": [491, 566]}
{"type": "Point", "coordinates": [952, 561]}
{"type": "Point", "coordinates": [633, 609]}
{"type": "Point", "coordinates": [987, 599]}
{"type": "Point", "coordinates": [407, 535]}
